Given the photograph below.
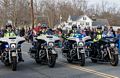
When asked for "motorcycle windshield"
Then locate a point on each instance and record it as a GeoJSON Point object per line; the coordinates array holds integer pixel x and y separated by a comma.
{"type": "Point", "coordinates": [104, 35]}
{"type": "Point", "coordinates": [109, 39]}
{"type": "Point", "coordinates": [80, 36]}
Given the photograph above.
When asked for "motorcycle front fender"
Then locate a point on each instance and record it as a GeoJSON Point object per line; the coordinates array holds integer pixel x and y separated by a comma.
{"type": "Point", "coordinates": [82, 50]}
{"type": "Point", "coordinates": [115, 50]}
{"type": "Point", "coordinates": [14, 54]}
{"type": "Point", "coordinates": [54, 52]}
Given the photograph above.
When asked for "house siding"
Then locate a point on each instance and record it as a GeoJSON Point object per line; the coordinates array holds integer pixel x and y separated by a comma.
{"type": "Point", "coordinates": [82, 21]}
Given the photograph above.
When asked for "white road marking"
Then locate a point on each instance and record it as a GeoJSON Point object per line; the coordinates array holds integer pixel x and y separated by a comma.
{"type": "Point", "coordinates": [88, 70]}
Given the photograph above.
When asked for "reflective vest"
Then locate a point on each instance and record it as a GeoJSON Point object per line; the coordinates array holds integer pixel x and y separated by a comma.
{"type": "Point", "coordinates": [98, 37]}
{"type": "Point", "coordinates": [71, 35]}
{"type": "Point", "coordinates": [9, 34]}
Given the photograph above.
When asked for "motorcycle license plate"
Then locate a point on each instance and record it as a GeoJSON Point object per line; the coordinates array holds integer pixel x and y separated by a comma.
{"type": "Point", "coordinates": [13, 54]}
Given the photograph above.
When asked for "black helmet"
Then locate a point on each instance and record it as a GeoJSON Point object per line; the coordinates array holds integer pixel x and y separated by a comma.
{"type": "Point", "coordinates": [74, 27]}
{"type": "Point", "coordinates": [9, 25]}
{"type": "Point", "coordinates": [99, 27]}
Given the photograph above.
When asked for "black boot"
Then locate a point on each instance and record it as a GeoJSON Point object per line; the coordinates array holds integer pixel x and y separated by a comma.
{"type": "Point", "coordinates": [20, 57]}
{"type": "Point", "coordinates": [0, 54]}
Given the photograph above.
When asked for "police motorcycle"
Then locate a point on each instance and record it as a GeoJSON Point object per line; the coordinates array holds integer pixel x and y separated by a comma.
{"type": "Point", "coordinates": [11, 52]}
{"type": "Point", "coordinates": [43, 50]}
{"type": "Point", "coordinates": [107, 51]}
{"type": "Point", "coordinates": [75, 49]}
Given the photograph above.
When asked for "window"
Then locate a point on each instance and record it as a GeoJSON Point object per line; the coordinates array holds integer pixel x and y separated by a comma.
{"type": "Point", "coordinates": [84, 18]}
{"type": "Point", "coordinates": [81, 23]}
{"type": "Point", "coordinates": [69, 23]}
{"type": "Point", "coordinates": [87, 23]}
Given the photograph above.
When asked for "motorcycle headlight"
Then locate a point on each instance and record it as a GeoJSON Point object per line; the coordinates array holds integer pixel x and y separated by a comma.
{"type": "Point", "coordinates": [80, 44]}
{"type": "Point", "coordinates": [13, 45]}
{"type": "Point", "coordinates": [51, 44]}
{"type": "Point", "coordinates": [6, 46]}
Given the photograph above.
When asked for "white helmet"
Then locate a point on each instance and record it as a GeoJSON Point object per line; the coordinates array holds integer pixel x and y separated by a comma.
{"type": "Point", "coordinates": [9, 22]}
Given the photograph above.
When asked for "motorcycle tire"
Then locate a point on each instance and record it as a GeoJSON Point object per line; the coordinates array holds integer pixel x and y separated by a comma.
{"type": "Point", "coordinates": [14, 64]}
{"type": "Point", "coordinates": [69, 60]}
{"type": "Point", "coordinates": [82, 61]}
{"type": "Point", "coordinates": [38, 61]}
{"type": "Point", "coordinates": [94, 60]}
{"type": "Point", "coordinates": [52, 61]}
{"type": "Point", "coordinates": [115, 60]}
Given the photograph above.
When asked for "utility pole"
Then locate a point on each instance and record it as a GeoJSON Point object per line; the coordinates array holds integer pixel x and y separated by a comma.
{"type": "Point", "coordinates": [32, 14]}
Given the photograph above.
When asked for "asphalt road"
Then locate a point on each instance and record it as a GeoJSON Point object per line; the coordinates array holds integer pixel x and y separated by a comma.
{"type": "Point", "coordinates": [29, 69]}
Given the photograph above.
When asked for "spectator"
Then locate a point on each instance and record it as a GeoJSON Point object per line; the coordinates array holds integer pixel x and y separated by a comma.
{"type": "Point", "coordinates": [17, 31]}
{"type": "Point", "coordinates": [111, 30]}
{"type": "Point", "coordinates": [22, 32]}
{"type": "Point", "coordinates": [88, 31]}
{"type": "Point", "coordinates": [92, 34]}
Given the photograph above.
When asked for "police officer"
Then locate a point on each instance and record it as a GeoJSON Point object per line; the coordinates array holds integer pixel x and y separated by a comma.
{"type": "Point", "coordinates": [97, 39]}
{"type": "Point", "coordinates": [98, 34]}
{"type": "Point", "coordinates": [74, 31]}
{"type": "Point", "coordinates": [10, 33]}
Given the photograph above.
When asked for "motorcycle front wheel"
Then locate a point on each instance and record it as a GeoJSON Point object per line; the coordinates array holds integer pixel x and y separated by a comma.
{"type": "Point", "coordinates": [93, 60]}
{"type": "Point", "coordinates": [114, 60]}
{"type": "Point", "coordinates": [82, 61]}
{"type": "Point", "coordinates": [52, 61]}
{"type": "Point", "coordinates": [69, 59]}
{"type": "Point", "coordinates": [14, 64]}
{"type": "Point", "coordinates": [114, 57]}
{"type": "Point", "coordinates": [38, 61]}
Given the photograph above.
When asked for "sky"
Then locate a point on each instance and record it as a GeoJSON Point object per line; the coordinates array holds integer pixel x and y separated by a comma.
{"type": "Point", "coordinates": [112, 2]}
{"type": "Point", "coordinates": [91, 2]}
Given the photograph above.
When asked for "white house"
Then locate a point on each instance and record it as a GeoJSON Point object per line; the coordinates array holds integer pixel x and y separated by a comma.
{"type": "Point", "coordinates": [82, 21]}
